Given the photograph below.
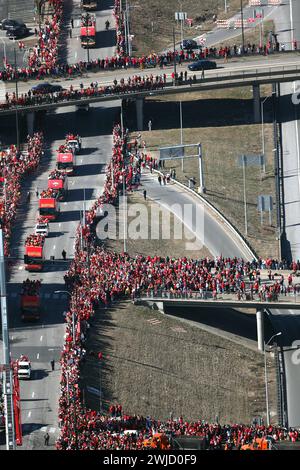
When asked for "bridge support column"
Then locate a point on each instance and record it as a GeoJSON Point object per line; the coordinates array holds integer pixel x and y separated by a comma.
{"type": "Point", "coordinates": [30, 118]}
{"type": "Point", "coordinates": [260, 329]}
{"type": "Point", "coordinates": [256, 104]}
{"type": "Point", "coordinates": [139, 103]}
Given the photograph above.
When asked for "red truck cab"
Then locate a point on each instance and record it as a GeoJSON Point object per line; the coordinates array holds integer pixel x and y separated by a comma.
{"type": "Point", "coordinates": [88, 36]}
{"type": "Point", "coordinates": [66, 162]}
{"type": "Point", "coordinates": [49, 204]}
{"type": "Point", "coordinates": [58, 184]}
{"type": "Point", "coordinates": [34, 256]}
{"type": "Point", "coordinates": [30, 307]}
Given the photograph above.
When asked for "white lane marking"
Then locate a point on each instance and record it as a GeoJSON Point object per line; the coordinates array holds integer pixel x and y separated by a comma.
{"type": "Point", "coordinates": [32, 395]}
{"type": "Point", "coordinates": [29, 414]}
{"type": "Point", "coordinates": [20, 268]}
{"type": "Point", "coordinates": [81, 160]}
{"type": "Point", "coordinates": [59, 225]}
{"type": "Point", "coordinates": [38, 355]}
{"type": "Point", "coordinates": [292, 312]}
{"type": "Point", "coordinates": [41, 338]}
{"type": "Point", "coordinates": [53, 247]}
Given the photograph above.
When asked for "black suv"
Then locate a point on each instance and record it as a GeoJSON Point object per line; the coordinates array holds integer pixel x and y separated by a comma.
{"type": "Point", "coordinates": [18, 31]}
{"type": "Point", "coordinates": [189, 44]}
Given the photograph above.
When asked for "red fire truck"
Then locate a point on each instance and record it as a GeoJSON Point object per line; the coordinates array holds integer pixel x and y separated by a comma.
{"type": "Point", "coordinates": [66, 162]}
{"type": "Point", "coordinates": [58, 183]}
{"type": "Point", "coordinates": [30, 301]}
{"type": "Point", "coordinates": [34, 257]}
{"type": "Point", "coordinates": [88, 31]}
{"type": "Point", "coordinates": [49, 204]}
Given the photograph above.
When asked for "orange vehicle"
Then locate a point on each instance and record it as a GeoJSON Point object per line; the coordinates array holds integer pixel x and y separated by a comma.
{"type": "Point", "coordinates": [260, 443]}
{"type": "Point", "coordinates": [49, 204]}
{"type": "Point", "coordinates": [30, 307]}
{"type": "Point", "coordinates": [34, 257]}
{"type": "Point", "coordinates": [157, 441]}
{"type": "Point", "coordinates": [66, 162]}
{"type": "Point", "coordinates": [58, 183]}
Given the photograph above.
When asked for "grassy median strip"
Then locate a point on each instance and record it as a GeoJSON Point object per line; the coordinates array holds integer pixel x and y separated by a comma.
{"type": "Point", "coordinates": [223, 122]}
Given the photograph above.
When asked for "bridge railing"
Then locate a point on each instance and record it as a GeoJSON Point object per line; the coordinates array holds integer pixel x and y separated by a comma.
{"type": "Point", "coordinates": [107, 91]}
{"type": "Point", "coordinates": [237, 295]}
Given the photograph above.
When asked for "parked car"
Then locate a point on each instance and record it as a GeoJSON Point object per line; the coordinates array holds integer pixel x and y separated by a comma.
{"type": "Point", "coordinates": [17, 31]}
{"type": "Point", "coordinates": [44, 88]}
{"type": "Point", "coordinates": [202, 64]}
{"type": "Point", "coordinates": [189, 44]}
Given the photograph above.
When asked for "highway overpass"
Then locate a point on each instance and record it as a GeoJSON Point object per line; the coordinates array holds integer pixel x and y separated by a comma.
{"type": "Point", "coordinates": [214, 80]}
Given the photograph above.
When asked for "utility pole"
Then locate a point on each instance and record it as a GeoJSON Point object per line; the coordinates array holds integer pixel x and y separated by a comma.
{"type": "Point", "coordinates": [243, 32]}
{"type": "Point", "coordinates": [174, 53]}
{"type": "Point", "coordinates": [7, 373]}
{"type": "Point", "coordinates": [17, 96]}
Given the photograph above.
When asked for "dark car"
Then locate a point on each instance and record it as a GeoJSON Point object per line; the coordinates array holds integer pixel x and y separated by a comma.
{"type": "Point", "coordinates": [189, 44]}
{"type": "Point", "coordinates": [202, 65]}
{"type": "Point", "coordinates": [44, 88]}
{"type": "Point", "coordinates": [8, 24]}
{"type": "Point", "coordinates": [17, 32]}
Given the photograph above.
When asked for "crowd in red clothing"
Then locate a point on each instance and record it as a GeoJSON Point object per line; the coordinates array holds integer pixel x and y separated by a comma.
{"type": "Point", "coordinates": [43, 60]}
{"type": "Point", "coordinates": [14, 165]}
{"type": "Point", "coordinates": [98, 276]}
{"type": "Point", "coordinates": [35, 240]}
{"type": "Point", "coordinates": [130, 85]}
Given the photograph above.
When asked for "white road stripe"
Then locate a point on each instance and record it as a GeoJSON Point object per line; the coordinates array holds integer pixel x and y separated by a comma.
{"type": "Point", "coordinates": [38, 355]}
{"type": "Point", "coordinates": [29, 414]}
{"type": "Point", "coordinates": [32, 395]}
{"type": "Point", "coordinates": [41, 338]}
{"type": "Point", "coordinates": [54, 247]}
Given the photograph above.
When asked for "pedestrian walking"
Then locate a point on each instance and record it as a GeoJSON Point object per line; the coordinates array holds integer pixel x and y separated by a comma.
{"type": "Point", "coordinates": [46, 437]}
{"type": "Point", "coordinates": [70, 33]}
{"type": "Point", "coordinates": [159, 179]}
{"type": "Point", "coordinates": [145, 194]}
{"type": "Point", "coordinates": [28, 196]}
{"type": "Point", "coordinates": [37, 193]}
{"type": "Point", "coordinates": [52, 362]}
{"type": "Point", "coordinates": [164, 179]}
{"type": "Point", "coordinates": [202, 73]}
{"type": "Point", "coordinates": [72, 23]}
{"type": "Point", "coordinates": [64, 255]}
{"type": "Point", "coordinates": [150, 125]}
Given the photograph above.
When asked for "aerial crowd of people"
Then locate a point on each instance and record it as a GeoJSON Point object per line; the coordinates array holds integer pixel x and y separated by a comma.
{"type": "Point", "coordinates": [14, 165]}
{"type": "Point", "coordinates": [96, 277]}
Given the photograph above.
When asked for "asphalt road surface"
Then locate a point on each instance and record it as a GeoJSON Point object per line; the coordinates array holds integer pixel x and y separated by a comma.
{"type": "Point", "coordinates": [43, 341]}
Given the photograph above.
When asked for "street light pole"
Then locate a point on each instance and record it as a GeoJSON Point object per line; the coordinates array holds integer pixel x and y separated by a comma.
{"type": "Point", "coordinates": [243, 33]}
{"type": "Point", "coordinates": [266, 377]}
{"type": "Point", "coordinates": [263, 133]}
{"type": "Point", "coordinates": [4, 48]}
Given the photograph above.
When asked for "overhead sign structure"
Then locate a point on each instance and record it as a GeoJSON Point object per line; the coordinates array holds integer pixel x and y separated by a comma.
{"type": "Point", "coordinates": [171, 153]}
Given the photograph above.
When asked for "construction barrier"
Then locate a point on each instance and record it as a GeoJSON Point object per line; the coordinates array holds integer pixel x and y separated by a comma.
{"type": "Point", "coordinates": [238, 23]}
{"type": "Point", "coordinates": [223, 24]}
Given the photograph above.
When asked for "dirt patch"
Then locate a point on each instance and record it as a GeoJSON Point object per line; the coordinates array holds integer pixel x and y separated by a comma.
{"type": "Point", "coordinates": [158, 225]}
{"type": "Point", "coordinates": [155, 365]}
{"type": "Point", "coordinates": [152, 21]}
